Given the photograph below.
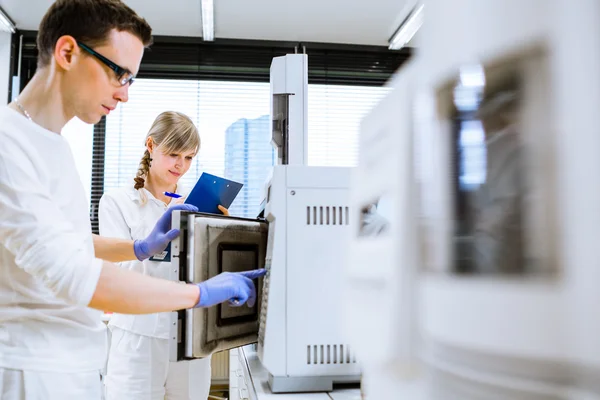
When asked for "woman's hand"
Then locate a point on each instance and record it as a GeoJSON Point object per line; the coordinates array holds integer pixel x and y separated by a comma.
{"type": "Point", "coordinates": [224, 210]}
{"type": "Point", "coordinates": [161, 235]}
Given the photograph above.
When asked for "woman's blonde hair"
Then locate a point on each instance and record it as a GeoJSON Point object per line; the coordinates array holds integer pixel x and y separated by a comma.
{"type": "Point", "coordinates": [172, 132]}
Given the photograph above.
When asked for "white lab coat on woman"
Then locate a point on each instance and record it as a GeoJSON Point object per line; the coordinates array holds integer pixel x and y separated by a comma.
{"type": "Point", "coordinates": [138, 362]}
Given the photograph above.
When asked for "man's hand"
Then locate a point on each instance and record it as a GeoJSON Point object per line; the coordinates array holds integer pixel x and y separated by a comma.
{"type": "Point", "coordinates": [235, 287]}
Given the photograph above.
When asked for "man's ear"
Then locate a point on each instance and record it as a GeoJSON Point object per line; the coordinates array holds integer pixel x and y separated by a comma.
{"type": "Point", "coordinates": [66, 52]}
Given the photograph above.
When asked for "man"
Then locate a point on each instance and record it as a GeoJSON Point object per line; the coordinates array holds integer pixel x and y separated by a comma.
{"type": "Point", "coordinates": [51, 344]}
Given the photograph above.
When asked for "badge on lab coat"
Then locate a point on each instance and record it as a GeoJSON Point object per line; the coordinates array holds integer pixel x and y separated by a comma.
{"type": "Point", "coordinates": [165, 256]}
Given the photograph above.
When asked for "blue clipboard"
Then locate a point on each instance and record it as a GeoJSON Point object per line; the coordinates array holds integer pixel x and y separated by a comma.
{"type": "Point", "coordinates": [211, 191]}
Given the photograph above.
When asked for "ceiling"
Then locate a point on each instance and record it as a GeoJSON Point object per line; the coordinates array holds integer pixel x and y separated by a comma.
{"type": "Point", "coordinates": [327, 21]}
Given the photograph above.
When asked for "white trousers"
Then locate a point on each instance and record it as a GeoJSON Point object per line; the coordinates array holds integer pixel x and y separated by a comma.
{"type": "Point", "coordinates": [139, 369]}
{"type": "Point", "coordinates": [33, 385]}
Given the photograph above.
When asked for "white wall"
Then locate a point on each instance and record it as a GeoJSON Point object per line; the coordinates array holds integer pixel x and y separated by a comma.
{"type": "Point", "coordinates": [4, 66]}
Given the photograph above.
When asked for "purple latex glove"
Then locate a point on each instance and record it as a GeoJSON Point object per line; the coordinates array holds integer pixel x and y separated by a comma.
{"type": "Point", "coordinates": [237, 288]}
{"type": "Point", "coordinates": [161, 235]}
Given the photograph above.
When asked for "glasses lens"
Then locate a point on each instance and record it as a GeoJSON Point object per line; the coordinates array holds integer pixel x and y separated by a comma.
{"type": "Point", "coordinates": [126, 78]}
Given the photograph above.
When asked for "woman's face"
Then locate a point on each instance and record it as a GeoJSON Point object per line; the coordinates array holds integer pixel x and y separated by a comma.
{"type": "Point", "coordinates": [169, 167]}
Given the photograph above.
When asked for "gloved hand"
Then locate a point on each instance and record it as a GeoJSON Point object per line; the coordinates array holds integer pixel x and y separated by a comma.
{"type": "Point", "coordinates": [161, 235]}
{"type": "Point", "coordinates": [237, 288]}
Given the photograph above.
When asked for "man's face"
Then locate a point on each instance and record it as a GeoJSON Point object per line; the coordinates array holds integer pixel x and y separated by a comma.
{"type": "Point", "coordinates": [92, 88]}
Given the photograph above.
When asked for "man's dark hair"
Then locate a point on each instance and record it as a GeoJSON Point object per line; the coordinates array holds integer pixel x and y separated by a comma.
{"type": "Point", "coordinates": [88, 21]}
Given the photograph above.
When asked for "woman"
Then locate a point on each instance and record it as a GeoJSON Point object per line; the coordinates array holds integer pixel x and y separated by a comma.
{"type": "Point", "coordinates": [138, 361]}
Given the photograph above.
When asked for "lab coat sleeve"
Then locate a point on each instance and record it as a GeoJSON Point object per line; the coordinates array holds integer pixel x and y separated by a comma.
{"type": "Point", "coordinates": [33, 229]}
{"type": "Point", "coordinates": [112, 223]}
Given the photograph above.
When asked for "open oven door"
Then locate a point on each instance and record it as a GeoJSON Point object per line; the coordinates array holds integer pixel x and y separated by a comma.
{"type": "Point", "coordinates": [209, 245]}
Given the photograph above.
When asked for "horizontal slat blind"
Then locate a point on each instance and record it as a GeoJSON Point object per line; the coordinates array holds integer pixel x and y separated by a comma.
{"type": "Point", "coordinates": [249, 60]}
{"type": "Point", "coordinates": [98, 156]}
{"type": "Point", "coordinates": [233, 121]}
{"type": "Point", "coordinates": [334, 115]}
{"type": "Point", "coordinates": [217, 108]}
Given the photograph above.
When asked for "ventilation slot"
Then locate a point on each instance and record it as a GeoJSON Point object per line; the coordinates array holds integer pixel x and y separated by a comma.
{"type": "Point", "coordinates": [335, 355]}
{"type": "Point", "coordinates": [264, 305]}
{"type": "Point", "coordinates": [327, 215]}
{"type": "Point", "coordinates": [329, 354]}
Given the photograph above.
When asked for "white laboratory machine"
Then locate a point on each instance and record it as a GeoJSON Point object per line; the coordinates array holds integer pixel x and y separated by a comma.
{"type": "Point", "coordinates": [301, 241]}
{"type": "Point", "coordinates": [301, 341]}
{"type": "Point", "coordinates": [382, 266]}
{"type": "Point", "coordinates": [499, 279]}
{"type": "Point", "coordinates": [510, 204]}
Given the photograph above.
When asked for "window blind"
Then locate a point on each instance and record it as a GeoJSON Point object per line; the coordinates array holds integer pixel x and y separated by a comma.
{"type": "Point", "coordinates": [233, 121]}
{"type": "Point", "coordinates": [334, 116]}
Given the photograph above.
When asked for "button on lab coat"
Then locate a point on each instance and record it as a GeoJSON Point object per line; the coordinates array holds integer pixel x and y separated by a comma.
{"type": "Point", "coordinates": [122, 214]}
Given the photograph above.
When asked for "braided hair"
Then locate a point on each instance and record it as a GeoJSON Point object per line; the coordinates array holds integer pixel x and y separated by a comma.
{"type": "Point", "coordinates": [143, 170]}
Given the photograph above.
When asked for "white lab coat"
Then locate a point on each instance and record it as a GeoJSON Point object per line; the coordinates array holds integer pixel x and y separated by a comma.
{"type": "Point", "coordinates": [48, 273]}
{"type": "Point", "coordinates": [138, 364]}
{"type": "Point", "coordinates": [35, 385]}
